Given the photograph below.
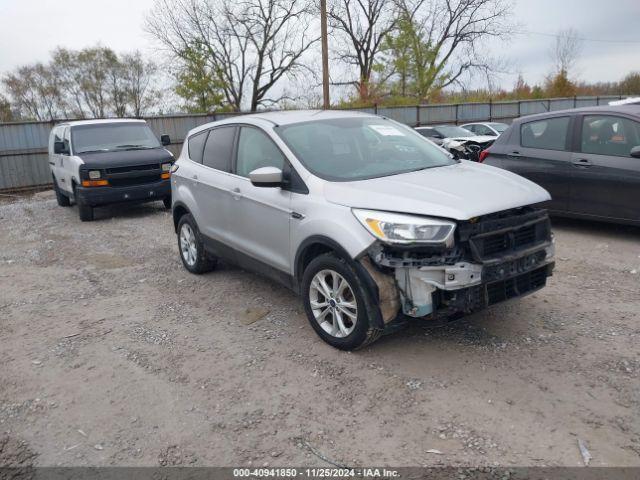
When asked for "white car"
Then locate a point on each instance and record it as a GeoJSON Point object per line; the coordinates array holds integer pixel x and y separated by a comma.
{"type": "Point", "coordinates": [491, 129]}
{"type": "Point", "coordinates": [101, 162]}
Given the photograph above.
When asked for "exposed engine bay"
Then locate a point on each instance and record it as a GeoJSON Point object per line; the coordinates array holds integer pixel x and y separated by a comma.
{"type": "Point", "coordinates": [495, 258]}
{"type": "Point", "coordinates": [467, 148]}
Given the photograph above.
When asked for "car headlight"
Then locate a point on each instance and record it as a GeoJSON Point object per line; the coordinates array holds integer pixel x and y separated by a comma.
{"type": "Point", "coordinates": [166, 167]}
{"type": "Point", "coordinates": [94, 174]}
{"type": "Point", "coordinates": [406, 229]}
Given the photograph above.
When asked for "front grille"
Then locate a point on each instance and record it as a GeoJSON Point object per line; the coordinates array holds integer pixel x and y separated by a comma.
{"type": "Point", "coordinates": [513, 240]}
{"type": "Point", "coordinates": [133, 168]}
{"type": "Point", "coordinates": [514, 287]}
{"type": "Point", "coordinates": [493, 240]}
{"type": "Point", "coordinates": [131, 181]}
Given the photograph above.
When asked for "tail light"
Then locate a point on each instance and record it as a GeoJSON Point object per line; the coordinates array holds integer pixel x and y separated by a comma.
{"type": "Point", "coordinates": [483, 155]}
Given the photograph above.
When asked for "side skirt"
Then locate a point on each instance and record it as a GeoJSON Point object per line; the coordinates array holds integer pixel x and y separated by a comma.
{"type": "Point", "coordinates": [246, 262]}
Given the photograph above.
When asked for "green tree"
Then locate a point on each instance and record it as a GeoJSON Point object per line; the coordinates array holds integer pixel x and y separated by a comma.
{"type": "Point", "coordinates": [559, 85]}
{"type": "Point", "coordinates": [197, 84]}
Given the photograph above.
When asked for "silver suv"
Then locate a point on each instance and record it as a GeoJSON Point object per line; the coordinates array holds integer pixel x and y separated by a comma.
{"type": "Point", "coordinates": [366, 219]}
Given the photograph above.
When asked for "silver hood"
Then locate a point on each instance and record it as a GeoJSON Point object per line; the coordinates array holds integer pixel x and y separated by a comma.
{"type": "Point", "coordinates": [459, 192]}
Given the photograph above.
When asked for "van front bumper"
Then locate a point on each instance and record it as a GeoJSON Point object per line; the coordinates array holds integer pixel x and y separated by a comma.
{"type": "Point", "coordinates": [148, 192]}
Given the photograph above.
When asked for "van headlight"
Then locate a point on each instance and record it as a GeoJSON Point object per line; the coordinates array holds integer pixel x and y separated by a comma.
{"type": "Point", "coordinates": [94, 174]}
{"type": "Point", "coordinates": [166, 167]}
{"type": "Point", "coordinates": [406, 229]}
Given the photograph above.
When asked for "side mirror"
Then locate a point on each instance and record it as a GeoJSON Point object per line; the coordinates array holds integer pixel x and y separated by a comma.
{"type": "Point", "coordinates": [60, 148]}
{"type": "Point", "coordinates": [266, 177]}
{"type": "Point", "coordinates": [635, 152]}
{"type": "Point", "coordinates": [165, 140]}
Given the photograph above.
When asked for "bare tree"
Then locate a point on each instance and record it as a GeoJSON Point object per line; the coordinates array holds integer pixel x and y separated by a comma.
{"type": "Point", "coordinates": [250, 45]}
{"type": "Point", "coordinates": [362, 26]}
{"type": "Point", "coordinates": [449, 37]}
{"type": "Point", "coordinates": [566, 51]}
{"type": "Point", "coordinates": [35, 92]}
{"type": "Point", "coordinates": [140, 93]}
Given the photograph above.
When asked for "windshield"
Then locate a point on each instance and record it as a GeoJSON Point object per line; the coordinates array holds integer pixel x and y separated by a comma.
{"type": "Point", "coordinates": [499, 127]}
{"type": "Point", "coordinates": [355, 148]}
{"type": "Point", "coordinates": [448, 131]}
{"type": "Point", "coordinates": [106, 137]}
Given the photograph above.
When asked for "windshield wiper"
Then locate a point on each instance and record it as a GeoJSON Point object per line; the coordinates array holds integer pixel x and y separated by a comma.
{"type": "Point", "coordinates": [94, 151]}
{"type": "Point", "coordinates": [133, 147]}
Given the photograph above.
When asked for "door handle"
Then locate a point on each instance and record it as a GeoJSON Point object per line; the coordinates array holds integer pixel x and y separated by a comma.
{"type": "Point", "coordinates": [514, 155]}
{"type": "Point", "coordinates": [581, 162]}
{"type": "Point", "coordinates": [194, 176]}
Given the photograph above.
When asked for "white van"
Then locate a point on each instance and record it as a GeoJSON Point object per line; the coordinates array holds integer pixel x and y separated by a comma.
{"type": "Point", "coordinates": [101, 162]}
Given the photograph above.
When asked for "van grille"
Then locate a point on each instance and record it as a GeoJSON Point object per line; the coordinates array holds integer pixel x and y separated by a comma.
{"type": "Point", "coordinates": [133, 168]}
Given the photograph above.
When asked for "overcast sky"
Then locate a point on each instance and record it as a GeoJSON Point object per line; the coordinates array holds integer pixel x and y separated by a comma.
{"type": "Point", "coordinates": [32, 28]}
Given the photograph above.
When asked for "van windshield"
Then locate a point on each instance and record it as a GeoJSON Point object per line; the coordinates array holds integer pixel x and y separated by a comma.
{"type": "Point", "coordinates": [346, 149]}
{"type": "Point", "coordinates": [105, 137]}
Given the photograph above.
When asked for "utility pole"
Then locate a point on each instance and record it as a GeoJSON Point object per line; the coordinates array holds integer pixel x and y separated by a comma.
{"type": "Point", "coordinates": [325, 54]}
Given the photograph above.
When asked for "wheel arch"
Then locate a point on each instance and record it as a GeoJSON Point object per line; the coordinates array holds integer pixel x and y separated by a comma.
{"type": "Point", "coordinates": [317, 245]}
{"type": "Point", "coordinates": [179, 211]}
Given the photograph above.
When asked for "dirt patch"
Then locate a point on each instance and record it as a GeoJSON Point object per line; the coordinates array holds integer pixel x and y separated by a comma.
{"type": "Point", "coordinates": [102, 331]}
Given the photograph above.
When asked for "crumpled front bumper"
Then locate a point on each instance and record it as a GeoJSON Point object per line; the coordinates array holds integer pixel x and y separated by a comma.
{"type": "Point", "coordinates": [467, 286]}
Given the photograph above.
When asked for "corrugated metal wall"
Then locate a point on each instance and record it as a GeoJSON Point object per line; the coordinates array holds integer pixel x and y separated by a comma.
{"type": "Point", "coordinates": [23, 146]}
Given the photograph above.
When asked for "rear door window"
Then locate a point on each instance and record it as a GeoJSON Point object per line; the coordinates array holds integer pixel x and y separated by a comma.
{"type": "Point", "coordinates": [196, 146]}
{"type": "Point", "coordinates": [547, 134]}
{"type": "Point", "coordinates": [609, 135]}
{"type": "Point", "coordinates": [218, 149]}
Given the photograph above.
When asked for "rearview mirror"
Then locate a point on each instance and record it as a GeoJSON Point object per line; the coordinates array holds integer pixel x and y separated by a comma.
{"type": "Point", "coordinates": [635, 152]}
{"type": "Point", "coordinates": [60, 148]}
{"type": "Point", "coordinates": [165, 140]}
{"type": "Point", "coordinates": [266, 177]}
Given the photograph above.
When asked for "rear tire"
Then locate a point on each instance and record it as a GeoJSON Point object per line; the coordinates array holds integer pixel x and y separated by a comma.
{"type": "Point", "coordinates": [61, 198]}
{"type": "Point", "coordinates": [338, 306]}
{"type": "Point", "coordinates": [192, 253]}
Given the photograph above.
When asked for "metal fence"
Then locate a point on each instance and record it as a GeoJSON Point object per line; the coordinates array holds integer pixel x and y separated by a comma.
{"type": "Point", "coordinates": [23, 146]}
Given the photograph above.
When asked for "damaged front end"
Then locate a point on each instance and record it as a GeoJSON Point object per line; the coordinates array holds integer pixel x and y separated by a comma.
{"type": "Point", "coordinates": [466, 149]}
{"type": "Point", "coordinates": [496, 257]}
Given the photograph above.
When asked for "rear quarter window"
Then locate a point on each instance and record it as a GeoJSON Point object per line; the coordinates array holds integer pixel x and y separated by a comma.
{"type": "Point", "coordinates": [196, 146]}
{"type": "Point", "coordinates": [547, 134]}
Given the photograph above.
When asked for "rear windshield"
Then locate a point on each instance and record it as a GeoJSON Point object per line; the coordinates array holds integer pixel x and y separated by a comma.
{"type": "Point", "coordinates": [356, 148]}
{"type": "Point", "coordinates": [115, 136]}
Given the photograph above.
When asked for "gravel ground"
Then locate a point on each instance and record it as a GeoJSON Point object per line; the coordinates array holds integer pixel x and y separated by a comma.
{"type": "Point", "coordinates": [113, 354]}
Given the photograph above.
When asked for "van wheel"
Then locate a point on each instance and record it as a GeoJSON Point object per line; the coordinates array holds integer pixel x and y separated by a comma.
{"type": "Point", "coordinates": [192, 252]}
{"type": "Point", "coordinates": [86, 212]}
{"type": "Point", "coordinates": [337, 304]}
{"type": "Point", "coordinates": [61, 198]}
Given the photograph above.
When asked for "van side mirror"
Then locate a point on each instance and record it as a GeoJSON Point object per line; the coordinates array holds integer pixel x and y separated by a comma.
{"type": "Point", "coordinates": [60, 148]}
{"type": "Point", "coordinates": [266, 177]}
{"type": "Point", "coordinates": [165, 140]}
{"type": "Point", "coordinates": [635, 152]}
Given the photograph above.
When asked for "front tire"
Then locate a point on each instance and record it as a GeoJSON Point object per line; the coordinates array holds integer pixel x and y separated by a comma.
{"type": "Point", "coordinates": [337, 304]}
{"type": "Point", "coordinates": [61, 198]}
{"type": "Point", "coordinates": [167, 202]}
{"type": "Point", "coordinates": [192, 252]}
